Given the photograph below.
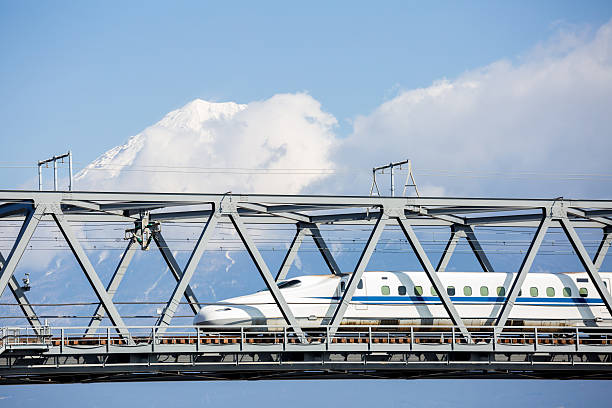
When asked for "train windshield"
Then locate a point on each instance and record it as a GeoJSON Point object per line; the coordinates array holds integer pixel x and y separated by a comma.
{"type": "Point", "coordinates": [288, 284]}
{"type": "Point", "coordinates": [285, 284]}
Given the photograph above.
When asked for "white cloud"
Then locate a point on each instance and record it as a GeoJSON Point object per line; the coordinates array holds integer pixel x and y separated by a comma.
{"type": "Point", "coordinates": [548, 113]}
{"type": "Point", "coordinates": [287, 131]}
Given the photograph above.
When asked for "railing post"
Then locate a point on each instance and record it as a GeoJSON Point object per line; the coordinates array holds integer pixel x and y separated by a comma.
{"type": "Point", "coordinates": [285, 338]}
{"type": "Point", "coordinates": [198, 339]}
{"type": "Point", "coordinates": [369, 337]}
{"type": "Point", "coordinates": [494, 339]}
{"type": "Point", "coordinates": [62, 341]}
{"type": "Point", "coordinates": [577, 339]}
{"type": "Point", "coordinates": [154, 338]}
{"type": "Point", "coordinates": [241, 338]}
{"type": "Point", "coordinates": [327, 337]}
{"type": "Point", "coordinates": [108, 339]}
{"type": "Point", "coordinates": [453, 333]}
{"type": "Point", "coordinates": [535, 345]}
{"type": "Point", "coordinates": [411, 338]}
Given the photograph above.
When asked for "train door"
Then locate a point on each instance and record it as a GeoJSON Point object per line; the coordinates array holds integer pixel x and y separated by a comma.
{"type": "Point", "coordinates": [361, 293]}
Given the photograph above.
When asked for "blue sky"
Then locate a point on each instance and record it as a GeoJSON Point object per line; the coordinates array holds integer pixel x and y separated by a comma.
{"type": "Point", "coordinates": [87, 76]}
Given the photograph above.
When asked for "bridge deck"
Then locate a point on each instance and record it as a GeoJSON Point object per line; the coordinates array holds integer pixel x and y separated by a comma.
{"type": "Point", "coordinates": [391, 352]}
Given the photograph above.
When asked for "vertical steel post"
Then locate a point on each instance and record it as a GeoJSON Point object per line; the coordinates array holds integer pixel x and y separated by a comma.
{"type": "Point", "coordinates": [54, 174]}
{"type": "Point", "coordinates": [392, 181]}
{"type": "Point", "coordinates": [40, 185]}
{"type": "Point", "coordinates": [70, 170]}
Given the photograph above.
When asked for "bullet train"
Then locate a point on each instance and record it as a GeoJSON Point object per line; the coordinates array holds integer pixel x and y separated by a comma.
{"type": "Point", "coordinates": [408, 298]}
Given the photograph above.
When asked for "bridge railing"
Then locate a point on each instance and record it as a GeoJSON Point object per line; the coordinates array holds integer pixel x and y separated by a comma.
{"type": "Point", "coordinates": [243, 337]}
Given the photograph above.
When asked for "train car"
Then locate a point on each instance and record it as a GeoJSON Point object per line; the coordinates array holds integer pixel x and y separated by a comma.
{"type": "Point", "coordinates": [408, 298]}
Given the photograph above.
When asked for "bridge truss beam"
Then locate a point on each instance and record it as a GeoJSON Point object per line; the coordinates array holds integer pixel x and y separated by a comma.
{"type": "Point", "coordinates": [308, 213]}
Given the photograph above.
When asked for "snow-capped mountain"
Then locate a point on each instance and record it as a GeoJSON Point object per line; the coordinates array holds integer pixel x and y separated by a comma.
{"type": "Point", "coordinates": [208, 147]}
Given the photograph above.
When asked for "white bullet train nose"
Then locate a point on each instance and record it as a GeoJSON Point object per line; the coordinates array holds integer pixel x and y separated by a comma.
{"type": "Point", "coordinates": [219, 315]}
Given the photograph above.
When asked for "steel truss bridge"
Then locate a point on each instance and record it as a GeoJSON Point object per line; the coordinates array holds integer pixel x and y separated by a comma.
{"type": "Point", "coordinates": [40, 353]}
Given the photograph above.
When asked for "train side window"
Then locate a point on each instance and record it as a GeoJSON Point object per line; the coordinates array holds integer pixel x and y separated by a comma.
{"type": "Point", "coordinates": [584, 292]}
{"type": "Point", "coordinates": [434, 292]}
{"type": "Point", "coordinates": [567, 292]}
{"type": "Point", "coordinates": [467, 290]}
{"type": "Point", "coordinates": [401, 290]}
{"type": "Point", "coordinates": [550, 292]}
{"type": "Point", "coordinates": [342, 286]}
{"type": "Point", "coordinates": [360, 284]}
{"type": "Point", "coordinates": [484, 291]}
{"type": "Point", "coordinates": [418, 291]}
{"type": "Point", "coordinates": [501, 291]}
{"type": "Point", "coordinates": [520, 292]}
{"type": "Point", "coordinates": [450, 291]}
{"type": "Point", "coordinates": [385, 290]}
{"type": "Point", "coordinates": [533, 291]}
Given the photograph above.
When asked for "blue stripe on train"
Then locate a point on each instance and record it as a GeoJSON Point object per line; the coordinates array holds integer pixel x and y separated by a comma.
{"type": "Point", "coordinates": [472, 299]}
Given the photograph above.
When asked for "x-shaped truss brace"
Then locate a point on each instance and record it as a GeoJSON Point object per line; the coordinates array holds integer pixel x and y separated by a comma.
{"type": "Point", "coordinates": [305, 229]}
{"type": "Point", "coordinates": [549, 215]}
{"type": "Point", "coordinates": [385, 215]}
